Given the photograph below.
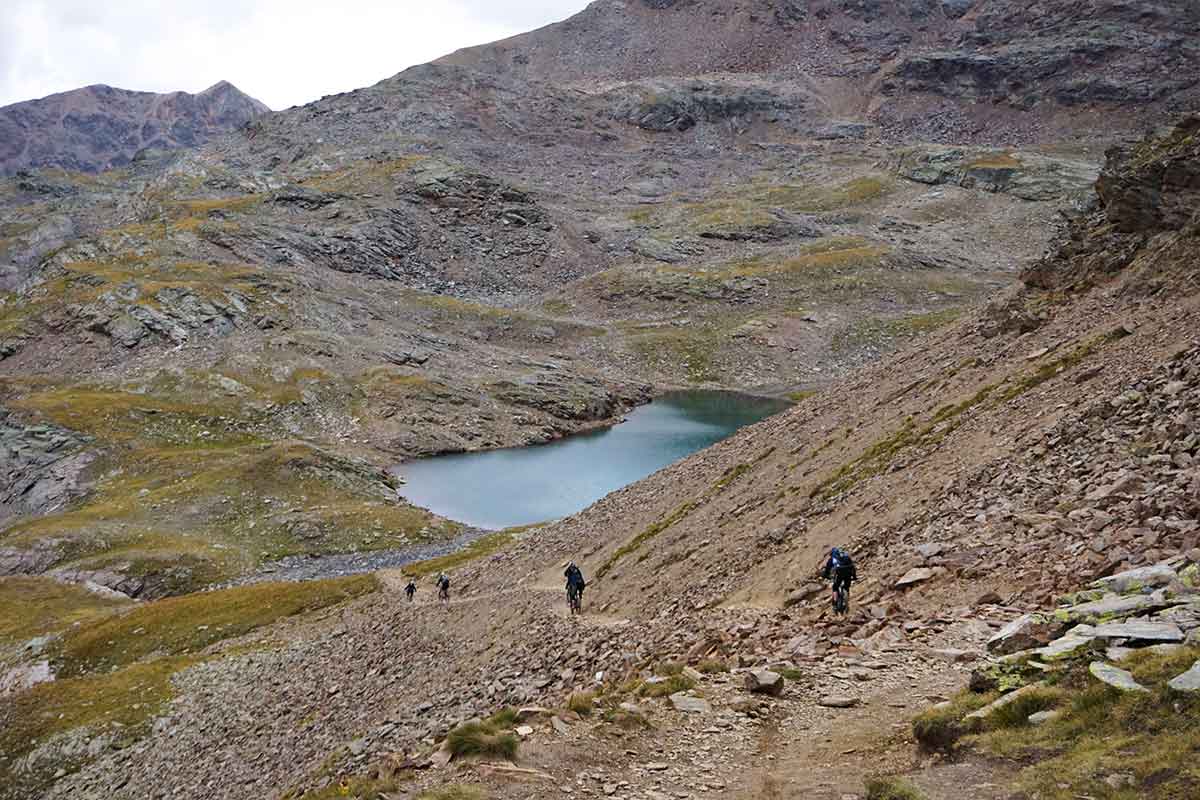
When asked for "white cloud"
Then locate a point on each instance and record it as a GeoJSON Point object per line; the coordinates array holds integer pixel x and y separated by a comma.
{"type": "Point", "coordinates": [284, 52]}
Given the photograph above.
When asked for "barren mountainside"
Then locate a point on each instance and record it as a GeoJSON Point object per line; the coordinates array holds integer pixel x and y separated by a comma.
{"type": "Point", "coordinates": [99, 127]}
{"type": "Point", "coordinates": [960, 238]}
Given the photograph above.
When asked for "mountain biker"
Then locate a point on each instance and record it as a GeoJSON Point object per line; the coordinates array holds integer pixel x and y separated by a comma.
{"type": "Point", "coordinates": [575, 582]}
{"type": "Point", "coordinates": [411, 589]}
{"type": "Point", "coordinates": [443, 584]}
{"type": "Point", "coordinates": [840, 567]}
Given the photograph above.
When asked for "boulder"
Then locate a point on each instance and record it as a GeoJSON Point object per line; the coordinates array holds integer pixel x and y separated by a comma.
{"type": "Point", "coordinates": [1042, 717]}
{"type": "Point", "coordinates": [1024, 633]}
{"type": "Point", "coordinates": [1115, 677]}
{"type": "Point", "coordinates": [693, 674]}
{"type": "Point", "coordinates": [1069, 644]}
{"type": "Point", "coordinates": [1135, 580]}
{"type": "Point", "coordinates": [1140, 631]}
{"type": "Point", "coordinates": [690, 705]}
{"type": "Point", "coordinates": [1113, 606]}
{"type": "Point", "coordinates": [1188, 681]}
{"type": "Point", "coordinates": [764, 681]}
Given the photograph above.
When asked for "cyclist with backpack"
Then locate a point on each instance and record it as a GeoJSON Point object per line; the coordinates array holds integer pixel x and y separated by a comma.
{"type": "Point", "coordinates": [840, 567]}
{"type": "Point", "coordinates": [411, 589]}
{"type": "Point", "coordinates": [575, 587]}
{"type": "Point", "coordinates": [443, 584]}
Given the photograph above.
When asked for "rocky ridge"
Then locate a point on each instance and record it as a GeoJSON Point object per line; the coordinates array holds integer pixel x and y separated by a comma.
{"type": "Point", "coordinates": [99, 127]}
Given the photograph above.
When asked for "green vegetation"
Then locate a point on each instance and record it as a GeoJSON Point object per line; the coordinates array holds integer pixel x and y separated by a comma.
{"type": "Point", "coordinates": [482, 739]}
{"type": "Point", "coordinates": [939, 728]}
{"type": "Point", "coordinates": [120, 704]}
{"type": "Point", "coordinates": [892, 789]}
{"type": "Point", "coordinates": [1148, 738]}
{"type": "Point", "coordinates": [694, 349]}
{"type": "Point", "coordinates": [582, 703]}
{"type": "Point", "coordinates": [669, 686]}
{"type": "Point", "coordinates": [711, 667]}
{"type": "Point", "coordinates": [884, 333]}
{"type": "Point", "coordinates": [481, 547]}
{"type": "Point", "coordinates": [186, 625]}
{"type": "Point", "coordinates": [634, 544]}
{"type": "Point", "coordinates": [880, 456]}
{"type": "Point", "coordinates": [35, 606]}
{"type": "Point", "coordinates": [681, 512]}
{"type": "Point", "coordinates": [187, 517]}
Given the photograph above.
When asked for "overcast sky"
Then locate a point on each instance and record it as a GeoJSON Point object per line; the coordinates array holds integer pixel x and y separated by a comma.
{"type": "Point", "coordinates": [284, 52]}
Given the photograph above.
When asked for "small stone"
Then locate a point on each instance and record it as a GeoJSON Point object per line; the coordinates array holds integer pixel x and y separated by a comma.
{"type": "Point", "coordinates": [764, 681]}
{"type": "Point", "coordinates": [690, 705]}
{"type": "Point", "coordinates": [524, 731]}
{"type": "Point", "coordinates": [1042, 717]}
{"type": "Point", "coordinates": [560, 726]}
{"type": "Point", "coordinates": [838, 701]}
{"type": "Point", "coordinates": [915, 576]}
{"type": "Point", "coordinates": [656, 766]}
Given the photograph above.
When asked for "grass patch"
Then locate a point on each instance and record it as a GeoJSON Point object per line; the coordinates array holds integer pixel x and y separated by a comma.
{"type": "Point", "coordinates": [186, 625]}
{"type": "Point", "coordinates": [664, 688]}
{"type": "Point", "coordinates": [668, 669]}
{"type": "Point", "coordinates": [35, 606]}
{"type": "Point", "coordinates": [712, 667]}
{"type": "Point", "coordinates": [480, 548]}
{"type": "Point", "coordinates": [482, 740]}
{"type": "Point", "coordinates": [1152, 738]}
{"type": "Point", "coordinates": [582, 703]}
{"type": "Point", "coordinates": [939, 728]}
{"type": "Point", "coordinates": [892, 789]}
{"type": "Point", "coordinates": [119, 704]}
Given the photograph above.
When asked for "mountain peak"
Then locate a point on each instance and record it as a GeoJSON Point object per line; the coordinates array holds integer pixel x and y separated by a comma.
{"type": "Point", "coordinates": [99, 127]}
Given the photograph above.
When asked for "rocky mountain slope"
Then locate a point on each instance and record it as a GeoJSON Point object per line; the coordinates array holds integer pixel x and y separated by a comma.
{"type": "Point", "coordinates": [98, 127]}
{"type": "Point", "coordinates": [1002, 71]}
{"type": "Point", "coordinates": [209, 358]}
{"type": "Point", "coordinates": [1040, 443]}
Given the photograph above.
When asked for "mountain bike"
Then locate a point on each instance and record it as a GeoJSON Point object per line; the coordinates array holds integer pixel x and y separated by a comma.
{"type": "Point", "coordinates": [841, 600]}
{"type": "Point", "coordinates": [574, 599]}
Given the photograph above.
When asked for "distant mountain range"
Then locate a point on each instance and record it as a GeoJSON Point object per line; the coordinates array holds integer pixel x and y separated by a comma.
{"type": "Point", "coordinates": [99, 127]}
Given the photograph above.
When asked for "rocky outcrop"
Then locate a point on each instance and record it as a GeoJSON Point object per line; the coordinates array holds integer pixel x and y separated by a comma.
{"type": "Point", "coordinates": [1145, 190]}
{"type": "Point", "coordinates": [1029, 176]}
{"type": "Point", "coordinates": [42, 468]}
{"type": "Point", "coordinates": [99, 127]}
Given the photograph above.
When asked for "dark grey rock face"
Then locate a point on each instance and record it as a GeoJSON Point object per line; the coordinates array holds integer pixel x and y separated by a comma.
{"type": "Point", "coordinates": [99, 127]}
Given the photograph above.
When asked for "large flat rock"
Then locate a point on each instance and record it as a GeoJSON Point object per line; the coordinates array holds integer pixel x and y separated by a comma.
{"type": "Point", "coordinates": [1115, 677]}
{"type": "Point", "coordinates": [690, 705]}
{"type": "Point", "coordinates": [1135, 580]}
{"type": "Point", "coordinates": [1115, 605]}
{"type": "Point", "coordinates": [1140, 631]}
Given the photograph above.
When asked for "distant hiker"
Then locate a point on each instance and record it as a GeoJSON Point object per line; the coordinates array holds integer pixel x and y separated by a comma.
{"type": "Point", "coordinates": [443, 584]}
{"type": "Point", "coordinates": [411, 589]}
{"type": "Point", "coordinates": [575, 587]}
{"type": "Point", "coordinates": [840, 567]}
